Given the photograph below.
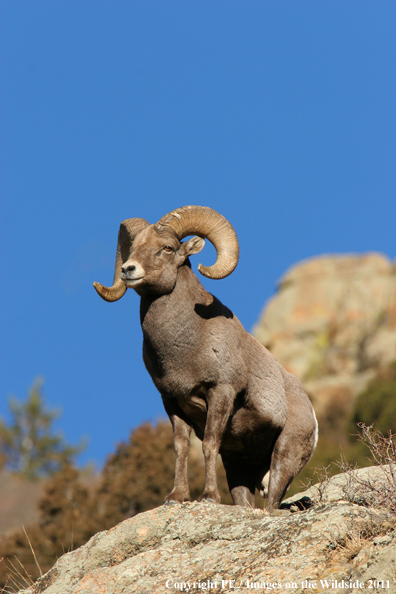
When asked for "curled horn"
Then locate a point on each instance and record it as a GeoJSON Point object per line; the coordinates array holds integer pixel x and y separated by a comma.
{"type": "Point", "coordinates": [127, 233]}
{"type": "Point", "coordinates": [209, 224]}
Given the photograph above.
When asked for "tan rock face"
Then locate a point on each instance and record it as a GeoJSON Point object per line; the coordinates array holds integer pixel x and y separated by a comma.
{"type": "Point", "coordinates": [198, 547]}
{"type": "Point", "coordinates": [333, 321]}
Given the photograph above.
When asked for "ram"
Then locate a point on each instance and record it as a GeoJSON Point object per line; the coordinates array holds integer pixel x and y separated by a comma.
{"type": "Point", "coordinates": [212, 375]}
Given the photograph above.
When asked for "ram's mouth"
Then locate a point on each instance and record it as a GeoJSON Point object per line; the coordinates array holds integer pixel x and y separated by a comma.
{"type": "Point", "coordinates": [132, 281]}
{"type": "Point", "coordinates": [129, 276]}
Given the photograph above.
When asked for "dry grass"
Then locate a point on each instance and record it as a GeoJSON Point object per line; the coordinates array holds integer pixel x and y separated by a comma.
{"type": "Point", "coordinates": [360, 533]}
{"type": "Point", "coordinates": [365, 490]}
{"type": "Point", "coordinates": [352, 545]}
{"type": "Point", "coordinates": [18, 577]}
{"type": "Point", "coordinates": [319, 480]}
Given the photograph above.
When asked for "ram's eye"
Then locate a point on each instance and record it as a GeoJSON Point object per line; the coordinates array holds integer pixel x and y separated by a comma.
{"type": "Point", "coordinates": [168, 249]}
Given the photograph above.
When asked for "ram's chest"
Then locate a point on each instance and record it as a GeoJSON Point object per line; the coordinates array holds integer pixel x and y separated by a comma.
{"type": "Point", "coordinates": [172, 364]}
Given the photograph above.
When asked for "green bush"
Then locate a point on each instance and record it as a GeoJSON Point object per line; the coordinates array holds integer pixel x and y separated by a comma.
{"type": "Point", "coordinates": [377, 404]}
{"type": "Point", "coordinates": [28, 444]}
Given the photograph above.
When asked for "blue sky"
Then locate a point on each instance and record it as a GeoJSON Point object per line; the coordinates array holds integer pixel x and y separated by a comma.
{"type": "Point", "coordinates": [280, 115]}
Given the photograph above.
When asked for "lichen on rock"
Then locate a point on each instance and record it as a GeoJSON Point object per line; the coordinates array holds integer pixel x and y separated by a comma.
{"type": "Point", "coordinates": [206, 546]}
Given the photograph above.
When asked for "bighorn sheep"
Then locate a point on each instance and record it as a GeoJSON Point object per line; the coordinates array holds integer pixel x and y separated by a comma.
{"type": "Point", "coordinates": [213, 376]}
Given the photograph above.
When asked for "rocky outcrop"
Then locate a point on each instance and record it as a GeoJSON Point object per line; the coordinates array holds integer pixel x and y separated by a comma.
{"type": "Point", "coordinates": [335, 545]}
{"type": "Point", "coordinates": [332, 323]}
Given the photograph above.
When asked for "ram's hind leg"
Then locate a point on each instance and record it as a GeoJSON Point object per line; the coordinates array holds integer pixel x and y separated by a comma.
{"type": "Point", "coordinates": [241, 482]}
{"type": "Point", "coordinates": [295, 444]}
{"type": "Point", "coordinates": [281, 477]}
{"type": "Point", "coordinates": [292, 451]}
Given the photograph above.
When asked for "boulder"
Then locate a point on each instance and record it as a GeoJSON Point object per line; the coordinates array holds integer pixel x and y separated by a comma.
{"type": "Point", "coordinates": [332, 323]}
{"type": "Point", "coordinates": [329, 544]}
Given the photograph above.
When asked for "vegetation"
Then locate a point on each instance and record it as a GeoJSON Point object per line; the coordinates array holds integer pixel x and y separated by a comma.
{"type": "Point", "coordinates": [377, 404]}
{"type": "Point", "coordinates": [66, 521]}
{"type": "Point", "coordinates": [382, 453]}
{"type": "Point", "coordinates": [28, 444]}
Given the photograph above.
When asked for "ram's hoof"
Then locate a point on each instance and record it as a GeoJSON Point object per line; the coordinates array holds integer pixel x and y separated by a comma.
{"type": "Point", "coordinates": [171, 502]}
{"type": "Point", "coordinates": [208, 500]}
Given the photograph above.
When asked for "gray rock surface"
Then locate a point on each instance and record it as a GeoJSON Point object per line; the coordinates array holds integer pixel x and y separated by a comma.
{"type": "Point", "coordinates": [198, 547]}
{"type": "Point", "coordinates": [351, 486]}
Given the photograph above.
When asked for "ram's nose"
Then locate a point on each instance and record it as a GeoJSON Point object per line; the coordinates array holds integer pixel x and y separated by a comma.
{"type": "Point", "coordinates": [131, 272]}
{"type": "Point", "coordinates": [128, 268]}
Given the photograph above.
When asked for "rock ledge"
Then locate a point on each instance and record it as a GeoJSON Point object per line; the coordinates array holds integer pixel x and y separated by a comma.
{"type": "Point", "coordinates": [196, 546]}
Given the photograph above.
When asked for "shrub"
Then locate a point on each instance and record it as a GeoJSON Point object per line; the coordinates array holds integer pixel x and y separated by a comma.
{"type": "Point", "coordinates": [377, 404]}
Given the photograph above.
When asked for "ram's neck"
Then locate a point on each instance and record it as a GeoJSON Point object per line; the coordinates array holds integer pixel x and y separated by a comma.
{"type": "Point", "coordinates": [176, 310]}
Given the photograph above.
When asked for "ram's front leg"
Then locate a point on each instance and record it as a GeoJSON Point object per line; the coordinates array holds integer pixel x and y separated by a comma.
{"type": "Point", "coordinates": [181, 446]}
{"type": "Point", "coordinates": [220, 402]}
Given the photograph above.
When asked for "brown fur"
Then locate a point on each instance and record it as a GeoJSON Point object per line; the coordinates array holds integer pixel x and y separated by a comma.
{"type": "Point", "coordinates": [216, 378]}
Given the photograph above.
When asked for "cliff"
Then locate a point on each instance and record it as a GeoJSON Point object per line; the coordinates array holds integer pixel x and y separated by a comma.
{"type": "Point", "coordinates": [199, 547]}
{"type": "Point", "coordinates": [332, 323]}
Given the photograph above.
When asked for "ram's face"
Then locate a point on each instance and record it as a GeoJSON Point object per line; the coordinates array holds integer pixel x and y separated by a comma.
{"type": "Point", "coordinates": [149, 256]}
{"type": "Point", "coordinates": [153, 262]}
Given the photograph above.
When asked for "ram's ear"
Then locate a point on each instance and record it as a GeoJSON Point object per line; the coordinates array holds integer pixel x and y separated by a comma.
{"type": "Point", "coordinates": [191, 247]}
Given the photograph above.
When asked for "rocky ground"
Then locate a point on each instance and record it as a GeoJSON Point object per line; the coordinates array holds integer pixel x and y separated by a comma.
{"type": "Point", "coordinates": [322, 541]}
